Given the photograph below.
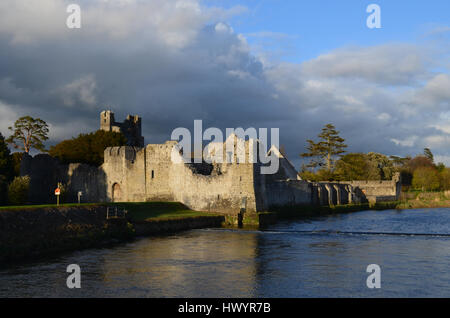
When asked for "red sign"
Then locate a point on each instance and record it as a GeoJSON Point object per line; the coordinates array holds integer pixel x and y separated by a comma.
{"type": "Point", "coordinates": [57, 191]}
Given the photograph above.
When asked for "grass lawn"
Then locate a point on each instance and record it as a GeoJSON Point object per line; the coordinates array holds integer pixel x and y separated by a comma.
{"type": "Point", "coordinates": [147, 211]}
{"type": "Point", "coordinates": [138, 211]}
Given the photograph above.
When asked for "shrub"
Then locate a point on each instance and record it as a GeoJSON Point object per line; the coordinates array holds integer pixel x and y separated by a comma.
{"type": "Point", "coordinates": [426, 179]}
{"type": "Point", "coordinates": [445, 179]}
{"type": "Point", "coordinates": [18, 190]}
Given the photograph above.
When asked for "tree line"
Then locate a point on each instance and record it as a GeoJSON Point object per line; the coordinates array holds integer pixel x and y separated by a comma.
{"type": "Point", "coordinates": [330, 162]}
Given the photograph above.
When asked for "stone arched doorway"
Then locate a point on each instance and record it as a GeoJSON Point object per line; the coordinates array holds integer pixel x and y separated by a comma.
{"type": "Point", "coordinates": [116, 193]}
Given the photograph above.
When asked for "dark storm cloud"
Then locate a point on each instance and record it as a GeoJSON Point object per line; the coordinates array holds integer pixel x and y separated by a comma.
{"type": "Point", "coordinates": [175, 61]}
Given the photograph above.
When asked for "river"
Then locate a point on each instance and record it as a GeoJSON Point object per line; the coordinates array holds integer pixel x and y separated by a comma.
{"type": "Point", "coordinates": [316, 257]}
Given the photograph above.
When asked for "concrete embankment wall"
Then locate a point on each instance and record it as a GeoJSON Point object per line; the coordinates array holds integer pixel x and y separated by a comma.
{"type": "Point", "coordinates": [176, 225]}
{"type": "Point", "coordinates": [37, 232]}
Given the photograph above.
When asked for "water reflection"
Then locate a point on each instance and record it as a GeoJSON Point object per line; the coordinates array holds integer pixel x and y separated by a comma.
{"type": "Point", "coordinates": [283, 261]}
{"type": "Point", "coordinates": [192, 264]}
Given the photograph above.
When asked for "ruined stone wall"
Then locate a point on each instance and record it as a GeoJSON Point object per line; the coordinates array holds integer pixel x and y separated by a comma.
{"type": "Point", "coordinates": [216, 192]}
{"type": "Point", "coordinates": [229, 186]}
{"type": "Point", "coordinates": [300, 192]}
{"type": "Point", "coordinates": [149, 174]}
{"type": "Point", "coordinates": [288, 193]}
{"type": "Point", "coordinates": [219, 186]}
{"type": "Point", "coordinates": [330, 193]}
{"type": "Point", "coordinates": [131, 174]}
{"type": "Point", "coordinates": [90, 180]}
{"type": "Point", "coordinates": [378, 191]}
{"type": "Point", "coordinates": [158, 171]}
{"type": "Point", "coordinates": [45, 172]}
{"type": "Point", "coordinates": [125, 174]}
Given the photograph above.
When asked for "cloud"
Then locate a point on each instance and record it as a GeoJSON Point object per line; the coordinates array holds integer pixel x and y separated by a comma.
{"type": "Point", "coordinates": [389, 64]}
{"type": "Point", "coordinates": [407, 142]}
{"type": "Point", "coordinates": [444, 159]}
{"type": "Point", "coordinates": [175, 61]}
{"type": "Point", "coordinates": [80, 91]}
{"type": "Point", "coordinates": [7, 118]}
{"type": "Point", "coordinates": [435, 93]}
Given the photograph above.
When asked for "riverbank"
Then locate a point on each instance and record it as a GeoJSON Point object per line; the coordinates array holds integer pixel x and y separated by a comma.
{"type": "Point", "coordinates": [293, 259]}
{"type": "Point", "coordinates": [30, 232]}
{"type": "Point", "coordinates": [155, 218]}
{"type": "Point", "coordinates": [421, 200]}
{"type": "Point", "coordinates": [410, 200]}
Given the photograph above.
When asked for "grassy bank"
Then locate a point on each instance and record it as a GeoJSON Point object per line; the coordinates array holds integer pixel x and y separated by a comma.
{"type": "Point", "coordinates": [420, 200]}
{"type": "Point", "coordinates": [137, 212]}
{"type": "Point", "coordinates": [34, 231]}
{"type": "Point", "coordinates": [157, 211]}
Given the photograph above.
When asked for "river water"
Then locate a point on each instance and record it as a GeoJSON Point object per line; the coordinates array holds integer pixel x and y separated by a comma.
{"type": "Point", "coordinates": [316, 257]}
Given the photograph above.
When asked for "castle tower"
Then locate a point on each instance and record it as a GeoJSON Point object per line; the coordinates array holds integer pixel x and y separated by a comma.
{"type": "Point", "coordinates": [131, 127]}
{"type": "Point", "coordinates": [107, 120]}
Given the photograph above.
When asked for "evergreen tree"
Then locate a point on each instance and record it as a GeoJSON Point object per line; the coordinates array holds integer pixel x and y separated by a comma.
{"type": "Point", "coordinates": [380, 167]}
{"type": "Point", "coordinates": [352, 166]}
{"type": "Point", "coordinates": [324, 151]}
{"type": "Point", "coordinates": [28, 133]}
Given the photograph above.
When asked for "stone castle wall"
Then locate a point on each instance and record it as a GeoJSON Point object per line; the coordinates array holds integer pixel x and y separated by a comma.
{"type": "Point", "coordinates": [378, 191]}
{"type": "Point", "coordinates": [133, 174]}
{"type": "Point", "coordinates": [292, 192]}
{"type": "Point", "coordinates": [148, 174]}
{"type": "Point", "coordinates": [45, 172]}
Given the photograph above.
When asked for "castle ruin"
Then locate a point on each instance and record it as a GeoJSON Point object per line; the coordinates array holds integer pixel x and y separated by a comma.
{"type": "Point", "coordinates": [135, 173]}
{"type": "Point", "coordinates": [130, 128]}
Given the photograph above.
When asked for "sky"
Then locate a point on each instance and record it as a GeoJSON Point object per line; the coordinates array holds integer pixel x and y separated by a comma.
{"type": "Point", "coordinates": [293, 65]}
